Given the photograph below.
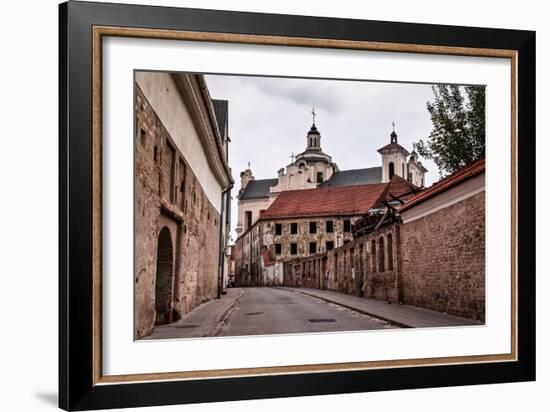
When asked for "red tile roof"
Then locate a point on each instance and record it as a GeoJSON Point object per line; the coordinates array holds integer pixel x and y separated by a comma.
{"type": "Point", "coordinates": [328, 201]}
{"type": "Point", "coordinates": [399, 187]}
{"type": "Point", "coordinates": [473, 169]}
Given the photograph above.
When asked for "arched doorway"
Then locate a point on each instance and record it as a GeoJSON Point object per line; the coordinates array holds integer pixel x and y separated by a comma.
{"type": "Point", "coordinates": [163, 279]}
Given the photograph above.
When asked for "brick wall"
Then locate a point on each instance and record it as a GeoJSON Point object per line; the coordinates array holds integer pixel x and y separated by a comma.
{"type": "Point", "coordinates": [443, 259]}
{"type": "Point", "coordinates": [437, 262]}
{"type": "Point", "coordinates": [168, 195]}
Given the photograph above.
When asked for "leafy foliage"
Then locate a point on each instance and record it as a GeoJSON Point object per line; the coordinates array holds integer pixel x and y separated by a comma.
{"type": "Point", "coordinates": [458, 135]}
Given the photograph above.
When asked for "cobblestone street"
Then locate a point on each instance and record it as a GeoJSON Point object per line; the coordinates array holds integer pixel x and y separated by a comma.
{"type": "Point", "coordinates": [272, 310]}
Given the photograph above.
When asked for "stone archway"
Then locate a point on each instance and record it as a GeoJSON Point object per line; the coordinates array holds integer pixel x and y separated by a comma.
{"type": "Point", "coordinates": [164, 277]}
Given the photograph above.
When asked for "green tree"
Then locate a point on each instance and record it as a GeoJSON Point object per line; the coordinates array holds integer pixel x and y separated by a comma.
{"type": "Point", "coordinates": [458, 135]}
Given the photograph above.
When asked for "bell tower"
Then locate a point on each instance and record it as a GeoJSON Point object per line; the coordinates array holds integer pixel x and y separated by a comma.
{"type": "Point", "coordinates": [313, 136]}
{"type": "Point", "coordinates": [394, 158]}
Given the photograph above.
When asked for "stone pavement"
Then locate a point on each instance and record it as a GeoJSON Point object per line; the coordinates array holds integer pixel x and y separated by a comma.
{"type": "Point", "coordinates": [270, 310]}
{"type": "Point", "coordinates": [405, 316]}
{"type": "Point", "coordinates": [277, 310]}
{"type": "Point", "coordinates": [202, 321]}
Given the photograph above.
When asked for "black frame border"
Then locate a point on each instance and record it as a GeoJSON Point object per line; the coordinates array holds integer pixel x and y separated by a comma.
{"type": "Point", "coordinates": [76, 387]}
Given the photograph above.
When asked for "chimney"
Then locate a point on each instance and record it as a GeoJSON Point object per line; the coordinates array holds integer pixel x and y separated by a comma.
{"type": "Point", "coordinates": [246, 177]}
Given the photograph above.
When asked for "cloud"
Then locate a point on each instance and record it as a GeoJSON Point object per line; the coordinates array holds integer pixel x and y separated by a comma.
{"type": "Point", "coordinates": [270, 117]}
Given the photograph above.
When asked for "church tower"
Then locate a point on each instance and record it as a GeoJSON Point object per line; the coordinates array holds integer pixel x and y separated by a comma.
{"type": "Point", "coordinates": [313, 137]}
{"type": "Point", "coordinates": [394, 159]}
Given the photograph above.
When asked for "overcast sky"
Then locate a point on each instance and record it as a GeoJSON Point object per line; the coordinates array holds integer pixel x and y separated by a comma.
{"type": "Point", "coordinates": [270, 117]}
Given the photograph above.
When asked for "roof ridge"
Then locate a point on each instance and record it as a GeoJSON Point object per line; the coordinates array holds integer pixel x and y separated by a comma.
{"type": "Point", "coordinates": [467, 172]}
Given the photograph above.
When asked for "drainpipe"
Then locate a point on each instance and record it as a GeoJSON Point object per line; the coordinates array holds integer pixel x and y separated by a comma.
{"type": "Point", "coordinates": [222, 240]}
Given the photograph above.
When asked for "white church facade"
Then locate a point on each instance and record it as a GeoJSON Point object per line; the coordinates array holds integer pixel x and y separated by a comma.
{"type": "Point", "coordinates": [314, 169]}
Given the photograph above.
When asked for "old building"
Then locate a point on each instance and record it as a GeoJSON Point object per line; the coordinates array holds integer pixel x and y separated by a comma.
{"type": "Point", "coordinates": [313, 169]}
{"type": "Point", "coordinates": [427, 250]}
{"type": "Point", "coordinates": [307, 222]}
{"type": "Point", "coordinates": [182, 196]}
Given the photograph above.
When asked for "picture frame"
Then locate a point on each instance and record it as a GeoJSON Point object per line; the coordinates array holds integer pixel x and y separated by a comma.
{"type": "Point", "coordinates": [82, 28]}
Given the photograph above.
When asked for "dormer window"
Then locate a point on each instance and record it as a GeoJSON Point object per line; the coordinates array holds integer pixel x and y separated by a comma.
{"type": "Point", "coordinates": [319, 177]}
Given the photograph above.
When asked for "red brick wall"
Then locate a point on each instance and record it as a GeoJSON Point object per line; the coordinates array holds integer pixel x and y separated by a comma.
{"type": "Point", "coordinates": [443, 259]}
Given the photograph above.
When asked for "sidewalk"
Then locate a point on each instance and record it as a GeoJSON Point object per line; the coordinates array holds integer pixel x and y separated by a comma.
{"type": "Point", "coordinates": [204, 320]}
{"type": "Point", "coordinates": [404, 316]}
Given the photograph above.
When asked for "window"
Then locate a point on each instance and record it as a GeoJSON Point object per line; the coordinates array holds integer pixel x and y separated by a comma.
{"type": "Point", "coordinates": [278, 229]}
{"type": "Point", "coordinates": [319, 177]}
{"type": "Point", "coordinates": [312, 247]}
{"type": "Point", "coordinates": [312, 227]}
{"type": "Point", "coordinates": [390, 252]}
{"type": "Point", "coordinates": [392, 169]}
{"type": "Point", "coordinates": [293, 248]}
{"type": "Point", "coordinates": [347, 225]}
{"type": "Point", "coordinates": [373, 255]}
{"type": "Point", "coordinates": [381, 255]}
{"type": "Point", "coordinates": [143, 136]}
{"type": "Point", "coordinates": [329, 245]}
{"type": "Point", "coordinates": [403, 169]}
{"type": "Point", "coordinates": [155, 153]}
{"type": "Point", "coordinates": [294, 228]}
{"type": "Point", "coordinates": [248, 218]}
{"type": "Point", "coordinates": [336, 267]}
{"type": "Point", "coordinates": [330, 226]}
{"type": "Point", "coordinates": [277, 249]}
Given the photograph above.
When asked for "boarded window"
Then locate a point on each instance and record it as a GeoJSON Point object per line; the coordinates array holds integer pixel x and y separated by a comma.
{"type": "Point", "coordinates": [390, 252]}
{"type": "Point", "coordinates": [181, 175]}
{"type": "Point", "coordinates": [381, 256]}
{"type": "Point", "coordinates": [168, 169]}
{"type": "Point", "coordinates": [373, 255]}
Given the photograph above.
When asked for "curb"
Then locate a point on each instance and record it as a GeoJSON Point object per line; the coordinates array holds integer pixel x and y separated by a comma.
{"type": "Point", "coordinates": [222, 319]}
{"type": "Point", "coordinates": [364, 312]}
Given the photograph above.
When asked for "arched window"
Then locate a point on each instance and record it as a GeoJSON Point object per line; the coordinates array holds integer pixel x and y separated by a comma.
{"type": "Point", "coordinates": [319, 177]}
{"type": "Point", "coordinates": [392, 169]}
{"type": "Point", "coordinates": [390, 252]}
{"type": "Point", "coordinates": [381, 255]}
{"type": "Point", "coordinates": [373, 255]}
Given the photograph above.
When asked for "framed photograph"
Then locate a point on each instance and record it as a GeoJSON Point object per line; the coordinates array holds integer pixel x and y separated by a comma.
{"type": "Point", "coordinates": [257, 206]}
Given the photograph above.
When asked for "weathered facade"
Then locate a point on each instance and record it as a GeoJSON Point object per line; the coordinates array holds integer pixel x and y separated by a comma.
{"type": "Point", "coordinates": [182, 184]}
{"type": "Point", "coordinates": [306, 223]}
{"type": "Point", "coordinates": [430, 252]}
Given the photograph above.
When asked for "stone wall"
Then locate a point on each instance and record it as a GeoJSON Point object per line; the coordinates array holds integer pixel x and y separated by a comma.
{"type": "Point", "coordinates": [354, 268]}
{"type": "Point", "coordinates": [436, 261]}
{"type": "Point", "coordinates": [168, 195]}
{"type": "Point", "coordinates": [443, 257]}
